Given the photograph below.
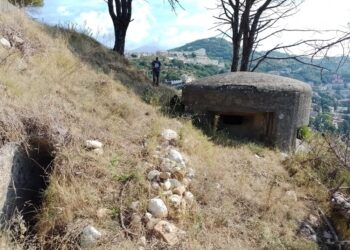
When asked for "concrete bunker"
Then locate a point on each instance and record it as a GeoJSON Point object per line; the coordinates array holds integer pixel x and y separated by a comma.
{"type": "Point", "coordinates": [253, 105]}
{"type": "Point", "coordinates": [25, 176]}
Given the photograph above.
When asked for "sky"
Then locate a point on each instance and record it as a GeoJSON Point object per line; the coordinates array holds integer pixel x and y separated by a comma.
{"type": "Point", "coordinates": [155, 24]}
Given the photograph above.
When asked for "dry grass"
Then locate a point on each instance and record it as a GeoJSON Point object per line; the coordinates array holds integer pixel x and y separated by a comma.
{"type": "Point", "coordinates": [69, 89]}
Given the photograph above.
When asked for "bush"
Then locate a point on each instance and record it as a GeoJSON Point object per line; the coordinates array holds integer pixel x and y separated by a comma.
{"type": "Point", "coordinates": [304, 133]}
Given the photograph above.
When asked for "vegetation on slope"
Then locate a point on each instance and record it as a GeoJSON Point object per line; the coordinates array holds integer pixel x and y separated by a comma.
{"type": "Point", "coordinates": [217, 48]}
{"type": "Point", "coordinates": [66, 88]}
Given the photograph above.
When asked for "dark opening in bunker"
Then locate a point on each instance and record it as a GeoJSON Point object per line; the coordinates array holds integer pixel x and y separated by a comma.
{"type": "Point", "coordinates": [232, 119]}
{"type": "Point", "coordinates": [31, 169]}
{"type": "Point", "coordinates": [256, 126]}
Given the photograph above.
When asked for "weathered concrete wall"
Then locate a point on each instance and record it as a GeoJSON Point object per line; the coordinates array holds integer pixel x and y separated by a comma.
{"type": "Point", "coordinates": [7, 154]}
{"type": "Point", "coordinates": [242, 92]}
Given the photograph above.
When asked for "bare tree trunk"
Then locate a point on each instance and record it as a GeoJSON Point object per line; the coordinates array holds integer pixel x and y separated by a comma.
{"type": "Point", "coordinates": [119, 43]}
{"type": "Point", "coordinates": [120, 12]}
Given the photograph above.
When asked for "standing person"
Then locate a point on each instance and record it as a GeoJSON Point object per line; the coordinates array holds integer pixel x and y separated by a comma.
{"type": "Point", "coordinates": [156, 65]}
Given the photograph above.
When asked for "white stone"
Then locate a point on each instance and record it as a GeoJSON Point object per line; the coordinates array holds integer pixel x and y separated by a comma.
{"type": "Point", "coordinates": [168, 232]}
{"type": "Point", "coordinates": [186, 182]}
{"type": "Point", "coordinates": [157, 208]}
{"type": "Point", "coordinates": [155, 185]}
{"type": "Point", "coordinates": [4, 42]}
{"type": "Point", "coordinates": [169, 134]}
{"type": "Point", "coordinates": [284, 156]}
{"type": "Point", "coordinates": [176, 156]}
{"type": "Point", "coordinates": [93, 144]}
{"type": "Point", "coordinates": [179, 190]}
{"type": "Point", "coordinates": [167, 165]}
{"type": "Point", "coordinates": [189, 197]}
{"type": "Point", "coordinates": [174, 183]}
{"type": "Point", "coordinates": [89, 236]}
{"type": "Point", "coordinates": [148, 217]}
{"type": "Point", "coordinates": [153, 174]}
{"type": "Point", "coordinates": [98, 151]}
{"type": "Point", "coordinates": [165, 175]}
{"type": "Point", "coordinates": [152, 223]}
{"type": "Point", "coordinates": [191, 173]}
{"type": "Point", "coordinates": [143, 241]}
{"type": "Point", "coordinates": [166, 185]}
{"type": "Point", "coordinates": [167, 193]}
{"type": "Point", "coordinates": [175, 200]}
{"type": "Point", "coordinates": [17, 39]}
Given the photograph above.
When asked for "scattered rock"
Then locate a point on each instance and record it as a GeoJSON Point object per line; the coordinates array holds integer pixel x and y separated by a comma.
{"type": "Point", "coordinates": [155, 185]}
{"type": "Point", "coordinates": [157, 208]}
{"type": "Point", "coordinates": [189, 197]}
{"type": "Point", "coordinates": [186, 182]}
{"type": "Point", "coordinates": [314, 221]}
{"type": "Point", "coordinates": [284, 156]}
{"type": "Point", "coordinates": [175, 183]}
{"type": "Point", "coordinates": [179, 173]}
{"type": "Point", "coordinates": [89, 236]}
{"type": "Point", "coordinates": [175, 200]}
{"type": "Point", "coordinates": [93, 144]}
{"type": "Point", "coordinates": [147, 217]}
{"type": "Point", "coordinates": [143, 241]}
{"type": "Point", "coordinates": [179, 190]}
{"type": "Point", "coordinates": [17, 40]}
{"type": "Point", "coordinates": [98, 151]}
{"type": "Point", "coordinates": [191, 173]}
{"type": "Point", "coordinates": [167, 193]}
{"type": "Point", "coordinates": [169, 134]}
{"type": "Point", "coordinates": [302, 147]}
{"type": "Point", "coordinates": [168, 232]}
{"type": "Point", "coordinates": [176, 156]}
{"type": "Point", "coordinates": [135, 206]}
{"type": "Point", "coordinates": [103, 213]}
{"type": "Point", "coordinates": [153, 174]}
{"type": "Point", "coordinates": [5, 43]}
{"type": "Point", "coordinates": [166, 185]}
{"type": "Point", "coordinates": [152, 223]}
{"type": "Point", "coordinates": [167, 165]}
{"type": "Point", "coordinates": [164, 175]}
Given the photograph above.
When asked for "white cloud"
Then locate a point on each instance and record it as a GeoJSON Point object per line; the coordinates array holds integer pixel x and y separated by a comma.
{"type": "Point", "coordinates": [63, 11]}
{"type": "Point", "coordinates": [141, 26]}
{"type": "Point", "coordinates": [98, 23]}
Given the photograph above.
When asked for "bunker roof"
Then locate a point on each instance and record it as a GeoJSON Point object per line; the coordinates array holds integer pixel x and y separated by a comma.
{"type": "Point", "coordinates": [264, 82]}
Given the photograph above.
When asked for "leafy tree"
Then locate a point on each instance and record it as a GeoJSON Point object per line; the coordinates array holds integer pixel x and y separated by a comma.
{"type": "Point", "coordinates": [23, 3]}
{"type": "Point", "coordinates": [324, 123]}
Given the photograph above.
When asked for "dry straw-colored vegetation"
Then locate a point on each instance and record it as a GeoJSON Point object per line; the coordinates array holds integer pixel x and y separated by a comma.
{"type": "Point", "coordinates": [67, 88]}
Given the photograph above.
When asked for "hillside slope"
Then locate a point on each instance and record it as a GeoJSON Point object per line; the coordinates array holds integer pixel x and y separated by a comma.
{"type": "Point", "coordinates": [59, 89]}
{"type": "Point", "coordinates": [216, 48]}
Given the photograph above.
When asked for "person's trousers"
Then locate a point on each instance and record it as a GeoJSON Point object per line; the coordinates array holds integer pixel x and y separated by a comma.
{"type": "Point", "coordinates": [156, 77]}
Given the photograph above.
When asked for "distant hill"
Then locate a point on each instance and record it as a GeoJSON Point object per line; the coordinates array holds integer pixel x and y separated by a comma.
{"type": "Point", "coordinates": [221, 49]}
{"type": "Point", "coordinates": [217, 48]}
{"type": "Point", "coordinates": [148, 48]}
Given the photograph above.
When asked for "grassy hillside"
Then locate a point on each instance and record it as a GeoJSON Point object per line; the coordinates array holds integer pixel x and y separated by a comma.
{"type": "Point", "coordinates": [63, 88]}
